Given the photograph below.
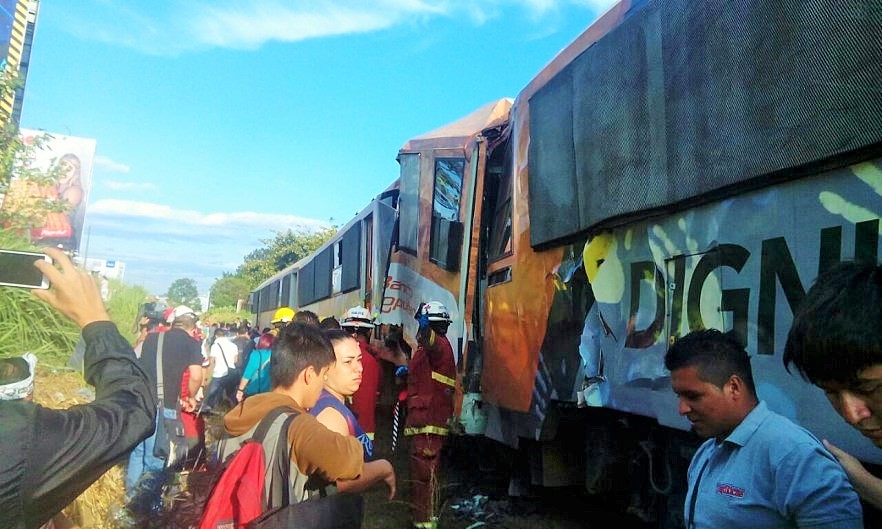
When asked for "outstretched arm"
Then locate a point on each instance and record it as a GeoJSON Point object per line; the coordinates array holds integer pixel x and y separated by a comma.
{"type": "Point", "coordinates": [374, 472]}
{"type": "Point", "coordinates": [868, 486]}
{"type": "Point", "coordinates": [74, 447]}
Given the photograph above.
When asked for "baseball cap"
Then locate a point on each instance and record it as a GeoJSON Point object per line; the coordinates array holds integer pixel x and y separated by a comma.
{"type": "Point", "coordinates": [182, 310]}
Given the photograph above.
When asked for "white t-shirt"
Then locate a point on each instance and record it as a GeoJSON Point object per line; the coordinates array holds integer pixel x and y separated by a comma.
{"type": "Point", "coordinates": [224, 353]}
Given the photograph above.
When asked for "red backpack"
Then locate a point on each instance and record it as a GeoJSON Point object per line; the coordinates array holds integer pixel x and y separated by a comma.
{"type": "Point", "coordinates": [239, 496]}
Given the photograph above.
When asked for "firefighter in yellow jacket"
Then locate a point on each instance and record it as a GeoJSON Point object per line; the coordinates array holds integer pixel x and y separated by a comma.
{"type": "Point", "coordinates": [430, 384]}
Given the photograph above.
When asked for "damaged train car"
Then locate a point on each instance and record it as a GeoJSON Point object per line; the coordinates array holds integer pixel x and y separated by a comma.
{"type": "Point", "coordinates": [681, 165]}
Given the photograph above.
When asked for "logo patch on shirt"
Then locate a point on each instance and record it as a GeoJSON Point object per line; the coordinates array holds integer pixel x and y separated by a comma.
{"type": "Point", "coordinates": [730, 490]}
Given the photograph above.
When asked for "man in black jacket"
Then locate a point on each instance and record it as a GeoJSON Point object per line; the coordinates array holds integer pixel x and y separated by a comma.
{"type": "Point", "coordinates": [50, 457]}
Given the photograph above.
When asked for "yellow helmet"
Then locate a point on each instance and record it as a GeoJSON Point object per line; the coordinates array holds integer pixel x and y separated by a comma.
{"type": "Point", "coordinates": [283, 315]}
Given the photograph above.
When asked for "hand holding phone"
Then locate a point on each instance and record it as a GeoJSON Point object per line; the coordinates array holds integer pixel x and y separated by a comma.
{"type": "Point", "coordinates": [17, 269]}
{"type": "Point", "coordinates": [74, 292]}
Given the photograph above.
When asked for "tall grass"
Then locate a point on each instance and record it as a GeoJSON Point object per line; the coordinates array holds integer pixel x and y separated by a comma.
{"type": "Point", "coordinates": [223, 315]}
{"type": "Point", "coordinates": [123, 307]}
{"type": "Point", "coordinates": [30, 325]}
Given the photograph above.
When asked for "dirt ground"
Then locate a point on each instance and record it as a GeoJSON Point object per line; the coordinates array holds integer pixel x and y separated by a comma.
{"type": "Point", "coordinates": [474, 490]}
{"type": "Point", "coordinates": [475, 494]}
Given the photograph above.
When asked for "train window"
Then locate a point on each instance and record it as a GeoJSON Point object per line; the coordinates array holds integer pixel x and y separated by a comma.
{"type": "Point", "coordinates": [445, 210]}
{"type": "Point", "coordinates": [500, 227]}
{"type": "Point", "coordinates": [286, 291]}
{"type": "Point", "coordinates": [409, 202]}
{"type": "Point", "coordinates": [306, 284]}
{"type": "Point", "coordinates": [322, 278]}
{"type": "Point", "coordinates": [448, 188]}
{"type": "Point", "coordinates": [351, 266]}
{"type": "Point", "coordinates": [368, 252]}
{"type": "Point", "coordinates": [337, 266]}
{"type": "Point", "coordinates": [274, 291]}
{"type": "Point", "coordinates": [292, 291]}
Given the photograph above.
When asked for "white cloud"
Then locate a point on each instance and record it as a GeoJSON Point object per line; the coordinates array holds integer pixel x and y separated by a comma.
{"type": "Point", "coordinates": [160, 243]}
{"type": "Point", "coordinates": [132, 210]}
{"type": "Point", "coordinates": [116, 185]}
{"type": "Point", "coordinates": [166, 27]}
{"type": "Point", "coordinates": [106, 164]}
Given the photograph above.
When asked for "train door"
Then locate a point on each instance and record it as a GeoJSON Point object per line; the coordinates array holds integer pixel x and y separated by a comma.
{"type": "Point", "coordinates": [495, 240]}
{"type": "Point", "coordinates": [368, 262]}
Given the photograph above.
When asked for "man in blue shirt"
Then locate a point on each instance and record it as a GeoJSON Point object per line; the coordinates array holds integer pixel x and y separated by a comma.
{"type": "Point", "coordinates": [757, 469]}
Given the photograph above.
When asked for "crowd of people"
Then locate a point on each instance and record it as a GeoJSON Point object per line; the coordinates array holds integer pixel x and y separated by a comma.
{"type": "Point", "coordinates": [233, 369]}
{"type": "Point", "coordinates": [757, 469]}
{"type": "Point", "coordinates": [153, 400]}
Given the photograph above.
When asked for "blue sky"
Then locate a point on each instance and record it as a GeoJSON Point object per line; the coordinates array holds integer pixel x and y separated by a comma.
{"type": "Point", "coordinates": [216, 125]}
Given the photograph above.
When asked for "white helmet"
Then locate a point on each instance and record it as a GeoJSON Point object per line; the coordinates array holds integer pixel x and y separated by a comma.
{"type": "Point", "coordinates": [358, 317]}
{"type": "Point", "coordinates": [436, 311]}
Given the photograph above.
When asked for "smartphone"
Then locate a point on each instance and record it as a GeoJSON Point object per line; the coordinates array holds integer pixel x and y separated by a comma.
{"type": "Point", "coordinates": [17, 269]}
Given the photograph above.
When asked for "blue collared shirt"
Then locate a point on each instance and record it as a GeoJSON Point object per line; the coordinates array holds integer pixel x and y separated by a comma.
{"type": "Point", "coordinates": [769, 473]}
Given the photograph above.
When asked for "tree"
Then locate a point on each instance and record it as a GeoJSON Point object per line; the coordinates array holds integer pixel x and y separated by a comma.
{"type": "Point", "coordinates": [184, 292]}
{"type": "Point", "coordinates": [285, 249]}
{"type": "Point", "coordinates": [227, 290]}
{"type": "Point", "coordinates": [23, 187]}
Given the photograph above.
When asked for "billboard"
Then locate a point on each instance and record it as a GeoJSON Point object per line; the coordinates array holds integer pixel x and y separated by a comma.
{"type": "Point", "coordinates": [69, 160]}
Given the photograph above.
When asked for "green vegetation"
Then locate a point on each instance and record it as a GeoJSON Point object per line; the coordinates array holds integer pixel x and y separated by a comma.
{"type": "Point", "coordinates": [30, 325]}
{"type": "Point", "coordinates": [223, 315]}
{"type": "Point", "coordinates": [184, 292]}
{"type": "Point", "coordinates": [20, 183]}
{"type": "Point", "coordinates": [123, 307]}
{"type": "Point", "coordinates": [228, 290]}
{"type": "Point", "coordinates": [285, 249]}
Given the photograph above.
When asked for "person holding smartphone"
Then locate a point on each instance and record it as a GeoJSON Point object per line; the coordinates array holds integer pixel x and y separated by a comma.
{"type": "Point", "coordinates": [51, 456]}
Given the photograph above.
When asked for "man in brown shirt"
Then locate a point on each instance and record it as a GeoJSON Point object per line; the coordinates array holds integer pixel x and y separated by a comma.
{"type": "Point", "coordinates": [301, 358]}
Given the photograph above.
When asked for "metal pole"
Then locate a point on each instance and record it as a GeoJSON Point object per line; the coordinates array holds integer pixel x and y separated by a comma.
{"type": "Point", "coordinates": [86, 252]}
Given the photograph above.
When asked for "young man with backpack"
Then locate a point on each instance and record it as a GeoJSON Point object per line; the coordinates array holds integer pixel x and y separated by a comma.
{"type": "Point", "coordinates": [301, 358]}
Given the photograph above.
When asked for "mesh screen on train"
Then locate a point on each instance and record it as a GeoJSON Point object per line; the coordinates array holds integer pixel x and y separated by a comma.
{"type": "Point", "coordinates": [685, 99]}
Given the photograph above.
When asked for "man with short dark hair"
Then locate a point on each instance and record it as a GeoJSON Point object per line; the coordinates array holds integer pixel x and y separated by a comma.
{"type": "Point", "coordinates": [50, 457]}
{"type": "Point", "coordinates": [757, 469]}
{"type": "Point", "coordinates": [307, 316]}
{"type": "Point", "coordinates": [836, 344]}
{"type": "Point", "coordinates": [301, 357]}
{"type": "Point", "coordinates": [245, 346]}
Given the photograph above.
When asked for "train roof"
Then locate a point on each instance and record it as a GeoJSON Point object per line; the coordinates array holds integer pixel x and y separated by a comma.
{"type": "Point", "coordinates": [459, 133]}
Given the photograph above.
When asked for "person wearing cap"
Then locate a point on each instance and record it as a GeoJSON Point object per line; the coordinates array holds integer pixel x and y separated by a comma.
{"type": "Point", "coordinates": [431, 379]}
{"type": "Point", "coordinates": [50, 457]}
{"type": "Point", "coordinates": [281, 318]}
{"type": "Point", "coordinates": [359, 324]}
{"type": "Point", "coordinates": [181, 352]}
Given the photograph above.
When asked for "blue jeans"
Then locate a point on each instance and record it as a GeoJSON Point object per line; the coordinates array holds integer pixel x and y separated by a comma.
{"type": "Point", "coordinates": [144, 471]}
{"type": "Point", "coordinates": [220, 389]}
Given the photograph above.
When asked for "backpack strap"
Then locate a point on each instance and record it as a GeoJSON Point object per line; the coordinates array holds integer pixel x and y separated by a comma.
{"type": "Point", "coordinates": [263, 427]}
{"type": "Point", "coordinates": [280, 486]}
{"type": "Point", "coordinates": [272, 433]}
{"type": "Point", "coordinates": [159, 389]}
